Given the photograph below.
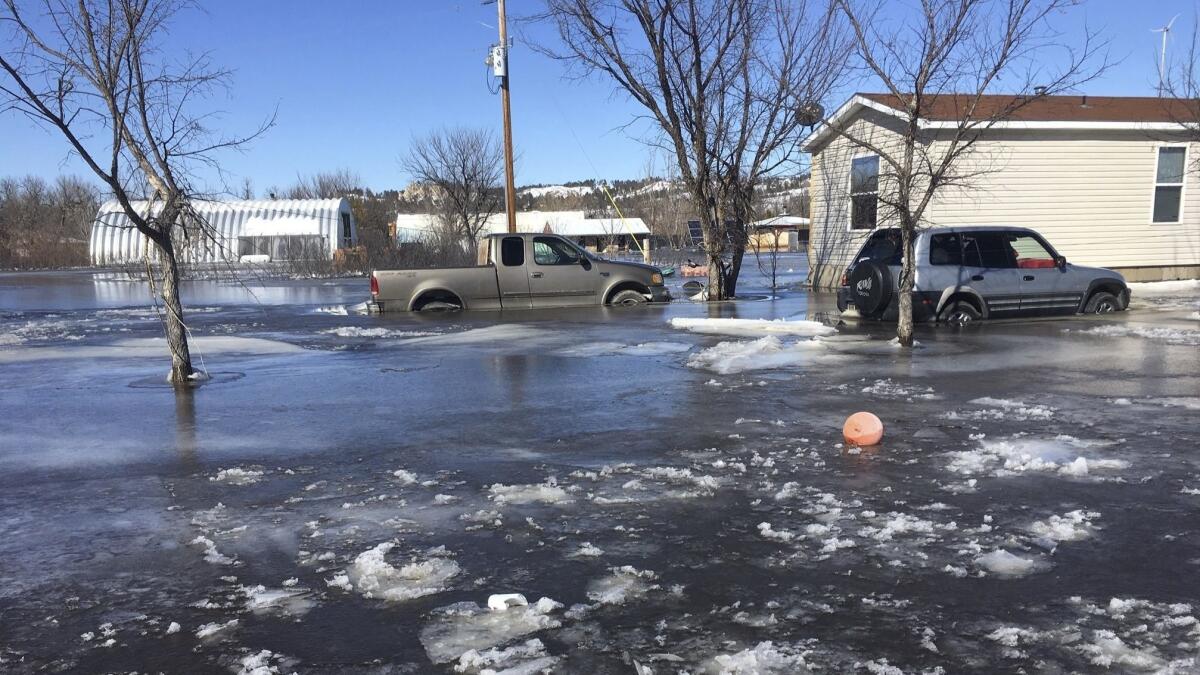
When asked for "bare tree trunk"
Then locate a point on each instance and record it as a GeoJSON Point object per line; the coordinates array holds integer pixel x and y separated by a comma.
{"type": "Point", "coordinates": [735, 268]}
{"type": "Point", "coordinates": [177, 342]}
{"type": "Point", "coordinates": [904, 322]}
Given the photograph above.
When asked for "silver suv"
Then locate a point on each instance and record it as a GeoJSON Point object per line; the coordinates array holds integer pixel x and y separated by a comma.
{"type": "Point", "coordinates": [964, 274]}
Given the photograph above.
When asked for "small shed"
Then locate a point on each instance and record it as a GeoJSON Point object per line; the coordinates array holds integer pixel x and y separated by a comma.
{"type": "Point", "coordinates": [594, 234]}
{"type": "Point", "coordinates": [256, 230]}
{"type": "Point", "coordinates": [780, 233]}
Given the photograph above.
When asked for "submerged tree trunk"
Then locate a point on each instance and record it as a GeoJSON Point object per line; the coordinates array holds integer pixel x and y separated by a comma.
{"type": "Point", "coordinates": [177, 340]}
{"type": "Point", "coordinates": [735, 268]}
{"type": "Point", "coordinates": [904, 322]}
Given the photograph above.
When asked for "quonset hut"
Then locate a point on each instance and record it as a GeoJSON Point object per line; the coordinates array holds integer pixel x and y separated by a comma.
{"type": "Point", "coordinates": [237, 231]}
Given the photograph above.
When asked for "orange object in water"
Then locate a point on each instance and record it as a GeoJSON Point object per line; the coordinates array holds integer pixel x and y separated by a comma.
{"type": "Point", "coordinates": [862, 428]}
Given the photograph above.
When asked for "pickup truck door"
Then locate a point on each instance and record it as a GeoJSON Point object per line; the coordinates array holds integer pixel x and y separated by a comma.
{"type": "Point", "coordinates": [1046, 288]}
{"type": "Point", "coordinates": [512, 279]}
{"type": "Point", "coordinates": [559, 274]}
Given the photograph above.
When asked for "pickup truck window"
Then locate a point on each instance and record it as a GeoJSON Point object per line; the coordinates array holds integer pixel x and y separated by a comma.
{"type": "Point", "coordinates": [554, 251]}
{"type": "Point", "coordinates": [512, 251]}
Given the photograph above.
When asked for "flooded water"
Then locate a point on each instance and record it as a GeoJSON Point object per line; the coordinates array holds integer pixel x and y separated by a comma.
{"type": "Point", "coordinates": [348, 490]}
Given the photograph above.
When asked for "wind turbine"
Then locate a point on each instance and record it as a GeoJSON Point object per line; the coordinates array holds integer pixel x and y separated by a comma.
{"type": "Point", "coordinates": [1162, 59]}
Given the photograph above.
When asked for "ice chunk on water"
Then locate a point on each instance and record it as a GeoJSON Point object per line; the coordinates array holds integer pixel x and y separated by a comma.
{"type": "Point", "coordinates": [528, 657]}
{"type": "Point", "coordinates": [1004, 564]}
{"type": "Point", "coordinates": [625, 583]}
{"type": "Point", "coordinates": [237, 476]}
{"type": "Point", "coordinates": [373, 577]}
{"type": "Point", "coordinates": [259, 664]}
{"type": "Point", "coordinates": [752, 327]}
{"type": "Point", "coordinates": [458, 629]}
{"type": "Point", "coordinates": [210, 629]}
{"type": "Point", "coordinates": [762, 659]}
{"type": "Point", "coordinates": [289, 601]}
{"type": "Point", "coordinates": [1071, 526]}
{"type": "Point", "coordinates": [546, 493]}
{"type": "Point", "coordinates": [1018, 455]}
{"type": "Point", "coordinates": [765, 353]}
{"type": "Point", "coordinates": [587, 550]}
{"type": "Point", "coordinates": [211, 554]}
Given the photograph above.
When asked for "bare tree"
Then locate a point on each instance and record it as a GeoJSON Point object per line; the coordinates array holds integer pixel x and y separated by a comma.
{"type": "Point", "coordinates": [1181, 85]}
{"type": "Point", "coordinates": [96, 72]}
{"type": "Point", "coordinates": [728, 83]}
{"type": "Point", "coordinates": [325, 185]}
{"type": "Point", "coordinates": [940, 62]}
{"type": "Point", "coordinates": [764, 243]}
{"type": "Point", "coordinates": [465, 166]}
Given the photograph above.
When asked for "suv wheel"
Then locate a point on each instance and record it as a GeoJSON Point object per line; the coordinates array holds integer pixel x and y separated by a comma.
{"type": "Point", "coordinates": [959, 314]}
{"type": "Point", "coordinates": [1102, 302]}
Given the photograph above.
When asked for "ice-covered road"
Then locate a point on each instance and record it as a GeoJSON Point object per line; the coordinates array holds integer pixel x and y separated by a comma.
{"type": "Point", "coordinates": [667, 492]}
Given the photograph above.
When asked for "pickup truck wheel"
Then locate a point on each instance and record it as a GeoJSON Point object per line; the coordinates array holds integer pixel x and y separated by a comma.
{"type": "Point", "coordinates": [959, 313]}
{"type": "Point", "coordinates": [628, 299]}
{"type": "Point", "coordinates": [1102, 302]}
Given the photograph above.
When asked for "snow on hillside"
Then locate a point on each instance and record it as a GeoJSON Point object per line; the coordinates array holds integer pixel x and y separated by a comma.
{"type": "Point", "coordinates": [557, 191]}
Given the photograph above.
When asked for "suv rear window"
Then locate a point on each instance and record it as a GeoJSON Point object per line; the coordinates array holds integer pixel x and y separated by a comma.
{"type": "Point", "coordinates": [945, 249]}
{"type": "Point", "coordinates": [884, 246]}
{"type": "Point", "coordinates": [986, 249]}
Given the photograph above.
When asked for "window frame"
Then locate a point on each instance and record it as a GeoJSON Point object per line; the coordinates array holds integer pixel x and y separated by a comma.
{"type": "Point", "coordinates": [503, 240]}
{"type": "Point", "coordinates": [1182, 184]}
{"type": "Point", "coordinates": [533, 250]}
{"type": "Point", "coordinates": [850, 192]}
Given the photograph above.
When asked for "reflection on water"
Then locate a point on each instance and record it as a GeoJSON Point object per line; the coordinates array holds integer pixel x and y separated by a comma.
{"type": "Point", "coordinates": [97, 290]}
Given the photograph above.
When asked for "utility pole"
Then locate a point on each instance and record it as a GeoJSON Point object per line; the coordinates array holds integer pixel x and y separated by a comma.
{"type": "Point", "coordinates": [500, 69]}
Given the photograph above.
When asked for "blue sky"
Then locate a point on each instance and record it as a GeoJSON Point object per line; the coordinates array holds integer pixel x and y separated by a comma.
{"type": "Point", "coordinates": [354, 81]}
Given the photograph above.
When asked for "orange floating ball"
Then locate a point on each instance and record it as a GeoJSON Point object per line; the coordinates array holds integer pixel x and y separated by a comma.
{"type": "Point", "coordinates": [862, 428]}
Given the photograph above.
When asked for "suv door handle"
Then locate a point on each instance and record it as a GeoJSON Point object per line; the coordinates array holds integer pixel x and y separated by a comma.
{"type": "Point", "coordinates": [536, 275]}
{"type": "Point", "coordinates": [977, 277]}
{"type": "Point", "coordinates": [1028, 277]}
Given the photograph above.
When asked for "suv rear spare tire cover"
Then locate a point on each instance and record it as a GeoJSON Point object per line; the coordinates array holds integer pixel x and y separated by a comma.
{"type": "Point", "coordinates": [871, 287]}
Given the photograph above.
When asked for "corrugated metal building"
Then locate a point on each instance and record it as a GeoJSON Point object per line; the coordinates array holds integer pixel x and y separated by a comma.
{"type": "Point", "coordinates": [262, 231]}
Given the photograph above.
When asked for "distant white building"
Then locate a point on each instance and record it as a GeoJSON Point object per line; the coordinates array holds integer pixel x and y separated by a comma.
{"type": "Point", "coordinates": [260, 231]}
{"type": "Point", "coordinates": [596, 234]}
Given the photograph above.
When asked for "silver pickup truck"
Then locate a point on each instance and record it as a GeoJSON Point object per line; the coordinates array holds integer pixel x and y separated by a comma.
{"type": "Point", "coordinates": [520, 271]}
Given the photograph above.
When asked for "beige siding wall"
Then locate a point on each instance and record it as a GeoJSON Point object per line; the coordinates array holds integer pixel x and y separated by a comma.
{"type": "Point", "coordinates": [832, 243]}
{"type": "Point", "coordinates": [1089, 194]}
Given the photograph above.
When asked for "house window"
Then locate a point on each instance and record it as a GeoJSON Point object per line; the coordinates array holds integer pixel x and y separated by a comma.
{"type": "Point", "coordinates": [864, 192]}
{"type": "Point", "coordinates": [347, 231]}
{"type": "Point", "coordinates": [1168, 184]}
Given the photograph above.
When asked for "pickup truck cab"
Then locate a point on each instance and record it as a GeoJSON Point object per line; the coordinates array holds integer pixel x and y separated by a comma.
{"type": "Point", "coordinates": [520, 271]}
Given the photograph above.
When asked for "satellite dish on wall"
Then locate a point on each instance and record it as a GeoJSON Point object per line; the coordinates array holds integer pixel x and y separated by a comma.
{"type": "Point", "coordinates": [810, 114]}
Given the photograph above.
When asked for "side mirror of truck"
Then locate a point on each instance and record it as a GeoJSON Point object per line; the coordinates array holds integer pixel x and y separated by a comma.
{"type": "Point", "coordinates": [585, 263]}
{"type": "Point", "coordinates": [1061, 261]}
